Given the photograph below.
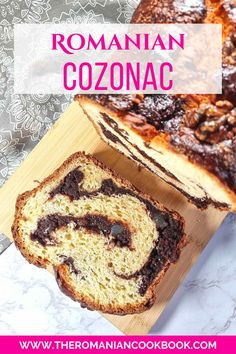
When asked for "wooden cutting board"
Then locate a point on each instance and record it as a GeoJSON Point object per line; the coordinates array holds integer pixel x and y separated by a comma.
{"type": "Point", "coordinates": [73, 132]}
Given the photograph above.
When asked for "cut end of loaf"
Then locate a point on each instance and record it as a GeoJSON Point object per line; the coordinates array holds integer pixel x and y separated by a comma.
{"type": "Point", "coordinates": [108, 244]}
{"type": "Point", "coordinates": [190, 178]}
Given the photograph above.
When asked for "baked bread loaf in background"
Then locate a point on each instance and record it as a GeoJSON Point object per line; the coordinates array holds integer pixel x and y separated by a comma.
{"type": "Point", "coordinates": [189, 141]}
{"type": "Point", "coordinates": [108, 244]}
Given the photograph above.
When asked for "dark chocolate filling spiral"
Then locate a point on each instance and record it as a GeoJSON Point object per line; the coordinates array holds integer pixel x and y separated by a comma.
{"type": "Point", "coordinates": [169, 229]}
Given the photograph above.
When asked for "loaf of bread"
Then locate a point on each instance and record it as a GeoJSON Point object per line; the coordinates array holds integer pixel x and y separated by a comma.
{"type": "Point", "coordinates": [108, 244]}
{"type": "Point", "coordinates": [187, 140]}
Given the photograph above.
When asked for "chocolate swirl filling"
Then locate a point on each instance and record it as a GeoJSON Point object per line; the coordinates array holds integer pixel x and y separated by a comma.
{"type": "Point", "coordinates": [169, 229]}
{"type": "Point", "coordinates": [117, 232]}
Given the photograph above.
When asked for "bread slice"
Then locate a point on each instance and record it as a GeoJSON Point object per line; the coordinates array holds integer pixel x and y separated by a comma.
{"type": "Point", "coordinates": [189, 176]}
{"type": "Point", "coordinates": [108, 244]}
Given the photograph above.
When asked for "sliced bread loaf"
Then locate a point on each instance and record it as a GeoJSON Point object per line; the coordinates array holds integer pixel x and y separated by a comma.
{"type": "Point", "coordinates": [187, 140]}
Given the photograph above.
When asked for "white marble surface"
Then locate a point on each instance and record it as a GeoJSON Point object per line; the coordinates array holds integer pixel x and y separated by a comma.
{"type": "Point", "coordinates": [30, 302]}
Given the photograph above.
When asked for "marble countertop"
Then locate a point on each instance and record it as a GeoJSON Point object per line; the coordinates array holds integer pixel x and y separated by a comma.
{"type": "Point", "coordinates": [31, 303]}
